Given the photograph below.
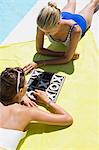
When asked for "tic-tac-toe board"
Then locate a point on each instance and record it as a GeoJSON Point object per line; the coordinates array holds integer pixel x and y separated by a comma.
{"type": "Point", "coordinates": [46, 81]}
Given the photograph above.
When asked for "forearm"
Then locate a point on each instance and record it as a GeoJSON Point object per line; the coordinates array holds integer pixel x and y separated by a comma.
{"type": "Point", "coordinates": [54, 108]}
{"type": "Point", "coordinates": [57, 117]}
{"type": "Point", "coordinates": [64, 58]}
{"type": "Point", "coordinates": [55, 61]}
{"type": "Point", "coordinates": [48, 52]}
{"type": "Point", "coordinates": [43, 98]}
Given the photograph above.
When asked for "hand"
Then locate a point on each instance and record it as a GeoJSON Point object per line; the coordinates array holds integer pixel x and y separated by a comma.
{"type": "Point", "coordinates": [28, 68]}
{"type": "Point", "coordinates": [27, 102]}
{"type": "Point", "coordinates": [76, 56]}
{"type": "Point", "coordinates": [41, 96]}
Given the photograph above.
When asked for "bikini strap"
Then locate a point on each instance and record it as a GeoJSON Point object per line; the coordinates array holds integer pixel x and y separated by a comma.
{"type": "Point", "coordinates": [70, 30]}
{"type": "Point", "coordinates": [73, 26]}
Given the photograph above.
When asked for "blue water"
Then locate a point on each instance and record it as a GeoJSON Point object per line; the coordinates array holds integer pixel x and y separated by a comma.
{"type": "Point", "coordinates": [11, 12]}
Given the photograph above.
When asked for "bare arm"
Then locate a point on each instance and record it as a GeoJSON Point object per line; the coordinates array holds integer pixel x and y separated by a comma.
{"type": "Point", "coordinates": [59, 118]}
{"type": "Point", "coordinates": [75, 37]}
{"type": "Point", "coordinates": [24, 114]}
{"type": "Point", "coordinates": [39, 45]}
{"type": "Point", "coordinates": [56, 116]}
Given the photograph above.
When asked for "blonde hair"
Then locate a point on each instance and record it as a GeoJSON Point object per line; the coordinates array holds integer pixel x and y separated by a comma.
{"type": "Point", "coordinates": [48, 16]}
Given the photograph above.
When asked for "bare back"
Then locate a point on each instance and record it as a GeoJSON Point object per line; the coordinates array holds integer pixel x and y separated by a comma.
{"type": "Point", "coordinates": [14, 117]}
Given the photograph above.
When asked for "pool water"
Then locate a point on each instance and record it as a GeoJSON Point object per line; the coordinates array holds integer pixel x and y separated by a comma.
{"type": "Point", "coordinates": [11, 13]}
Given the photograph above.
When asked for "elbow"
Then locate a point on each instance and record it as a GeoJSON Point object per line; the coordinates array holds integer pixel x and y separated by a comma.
{"type": "Point", "coordinates": [68, 121]}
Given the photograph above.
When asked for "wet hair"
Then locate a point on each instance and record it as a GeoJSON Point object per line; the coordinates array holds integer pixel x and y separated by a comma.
{"type": "Point", "coordinates": [11, 80]}
{"type": "Point", "coordinates": [48, 16]}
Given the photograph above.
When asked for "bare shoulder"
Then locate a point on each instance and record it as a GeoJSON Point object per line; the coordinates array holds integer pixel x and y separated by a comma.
{"type": "Point", "coordinates": [23, 111]}
{"type": "Point", "coordinates": [19, 109]}
{"type": "Point", "coordinates": [70, 23]}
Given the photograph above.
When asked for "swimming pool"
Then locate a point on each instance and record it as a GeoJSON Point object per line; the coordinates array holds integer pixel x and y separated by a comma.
{"type": "Point", "coordinates": [11, 13]}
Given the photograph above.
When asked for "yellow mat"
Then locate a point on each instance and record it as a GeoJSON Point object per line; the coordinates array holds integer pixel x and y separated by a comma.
{"type": "Point", "coordinates": [79, 96]}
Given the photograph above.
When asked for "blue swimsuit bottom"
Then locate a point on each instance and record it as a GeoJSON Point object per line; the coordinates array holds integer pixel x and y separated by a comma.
{"type": "Point", "coordinates": [77, 18]}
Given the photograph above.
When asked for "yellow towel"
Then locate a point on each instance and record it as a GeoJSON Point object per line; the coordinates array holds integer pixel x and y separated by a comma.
{"type": "Point", "coordinates": [79, 96]}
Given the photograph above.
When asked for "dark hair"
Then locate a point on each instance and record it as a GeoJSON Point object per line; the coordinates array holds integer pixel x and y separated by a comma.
{"type": "Point", "coordinates": [8, 84]}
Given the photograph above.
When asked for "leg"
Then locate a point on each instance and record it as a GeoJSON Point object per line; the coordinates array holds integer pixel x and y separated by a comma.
{"type": "Point", "coordinates": [70, 6]}
{"type": "Point", "coordinates": [89, 10]}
